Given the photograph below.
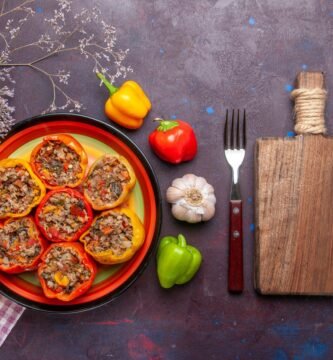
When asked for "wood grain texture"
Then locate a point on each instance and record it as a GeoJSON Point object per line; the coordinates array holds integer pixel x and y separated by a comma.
{"type": "Point", "coordinates": [310, 80]}
{"type": "Point", "coordinates": [294, 216]}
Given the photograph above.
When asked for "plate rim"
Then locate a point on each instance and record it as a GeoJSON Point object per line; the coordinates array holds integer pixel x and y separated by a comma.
{"type": "Point", "coordinates": [78, 308]}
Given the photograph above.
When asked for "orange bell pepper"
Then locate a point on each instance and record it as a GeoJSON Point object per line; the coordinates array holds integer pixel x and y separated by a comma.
{"type": "Point", "coordinates": [127, 105]}
{"type": "Point", "coordinates": [108, 256]}
{"type": "Point", "coordinates": [45, 175]}
{"type": "Point", "coordinates": [5, 193]}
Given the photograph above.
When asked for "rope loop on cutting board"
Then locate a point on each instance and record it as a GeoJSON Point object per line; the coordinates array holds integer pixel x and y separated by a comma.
{"type": "Point", "coordinates": [309, 110]}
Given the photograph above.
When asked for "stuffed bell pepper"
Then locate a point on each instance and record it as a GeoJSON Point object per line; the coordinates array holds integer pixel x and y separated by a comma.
{"type": "Point", "coordinates": [63, 215]}
{"type": "Point", "coordinates": [109, 181]}
{"type": "Point", "coordinates": [21, 245]}
{"type": "Point", "coordinates": [20, 188]}
{"type": "Point", "coordinates": [114, 236]}
{"type": "Point", "coordinates": [59, 161]}
{"type": "Point", "coordinates": [66, 271]}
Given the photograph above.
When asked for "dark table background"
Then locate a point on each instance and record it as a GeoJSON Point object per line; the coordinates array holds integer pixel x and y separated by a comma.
{"type": "Point", "coordinates": [195, 59]}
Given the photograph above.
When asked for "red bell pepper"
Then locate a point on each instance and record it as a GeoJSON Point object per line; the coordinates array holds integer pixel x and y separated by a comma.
{"type": "Point", "coordinates": [56, 275]}
{"type": "Point", "coordinates": [23, 239]}
{"type": "Point", "coordinates": [174, 141]}
{"type": "Point", "coordinates": [67, 223]}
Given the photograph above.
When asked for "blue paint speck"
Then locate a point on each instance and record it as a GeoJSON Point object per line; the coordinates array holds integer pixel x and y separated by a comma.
{"type": "Point", "coordinates": [252, 21]}
{"type": "Point", "coordinates": [307, 45]}
{"type": "Point", "coordinates": [216, 322]}
{"type": "Point", "coordinates": [290, 329]}
{"type": "Point", "coordinates": [331, 13]}
{"type": "Point", "coordinates": [252, 227]}
{"type": "Point", "coordinates": [162, 51]}
{"type": "Point", "coordinates": [304, 66]}
{"type": "Point", "coordinates": [173, 117]}
{"type": "Point", "coordinates": [280, 354]}
{"type": "Point", "coordinates": [243, 341]}
{"type": "Point", "coordinates": [288, 88]}
{"type": "Point", "coordinates": [291, 134]}
{"type": "Point", "coordinates": [210, 110]}
{"type": "Point", "coordinates": [250, 199]}
{"type": "Point", "coordinates": [39, 10]}
{"type": "Point", "coordinates": [185, 101]}
{"type": "Point", "coordinates": [312, 349]}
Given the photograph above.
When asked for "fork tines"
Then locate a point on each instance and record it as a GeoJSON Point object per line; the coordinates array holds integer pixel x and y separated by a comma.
{"type": "Point", "coordinates": [235, 139]}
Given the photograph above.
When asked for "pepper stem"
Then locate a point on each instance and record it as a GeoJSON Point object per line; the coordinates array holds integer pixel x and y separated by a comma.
{"type": "Point", "coordinates": [109, 86]}
{"type": "Point", "coordinates": [181, 240]}
{"type": "Point", "coordinates": [166, 125]}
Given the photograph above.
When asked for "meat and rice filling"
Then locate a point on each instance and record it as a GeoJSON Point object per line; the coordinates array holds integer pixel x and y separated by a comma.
{"type": "Point", "coordinates": [58, 164]}
{"type": "Point", "coordinates": [63, 215]}
{"type": "Point", "coordinates": [105, 184]}
{"type": "Point", "coordinates": [110, 232]}
{"type": "Point", "coordinates": [18, 190]}
{"type": "Point", "coordinates": [19, 243]}
{"type": "Point", "coordinates": [63, 270]}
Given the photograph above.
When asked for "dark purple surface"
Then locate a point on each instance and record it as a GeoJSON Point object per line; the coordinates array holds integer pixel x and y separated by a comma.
{"type": "Point", "coordinates": [195, 59]}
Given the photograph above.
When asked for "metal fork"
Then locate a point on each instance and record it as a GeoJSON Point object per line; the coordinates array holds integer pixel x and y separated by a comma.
{"type": "Point", "coordinates": [234, 150]}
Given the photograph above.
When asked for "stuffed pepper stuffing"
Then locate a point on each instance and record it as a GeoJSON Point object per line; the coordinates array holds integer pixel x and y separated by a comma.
{"type": "Point", "coordinates": [114, 236]}
{"type": "Point", "coordinates": [66, 271]}
{"type": "Point", "coordinates": [20, 188]}
{"type": "Point", "coordinates": [63, 215]}
{"type": "Point", "coordinates": [59, 161]}
{"type": "Point", "coordinates": [21, 246]}
{"type": "Point", "coordinates": [109, 181]}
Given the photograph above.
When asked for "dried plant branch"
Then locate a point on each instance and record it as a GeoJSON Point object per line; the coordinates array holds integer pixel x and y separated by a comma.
{"type": "Point", "coordinates": [20, 7]}
{"type": "Point", "coordinates": [67, 33]}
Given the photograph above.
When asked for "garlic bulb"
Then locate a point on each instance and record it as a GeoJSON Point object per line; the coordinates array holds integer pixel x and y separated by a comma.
{"type": "Point", "coordinates": [192, 199]}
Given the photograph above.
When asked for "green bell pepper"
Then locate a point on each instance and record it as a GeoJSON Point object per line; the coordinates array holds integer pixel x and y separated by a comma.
{"type": "Point", "coordinates": [177, 262]}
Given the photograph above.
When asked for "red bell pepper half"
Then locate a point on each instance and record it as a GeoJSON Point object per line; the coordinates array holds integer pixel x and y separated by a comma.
{"type": "Point", "coordinates": [21, 245]}
{"type": "Point", "coordinates": [66, 271]}
{"type": "Point", "coordinates": [174, 141]}
{"type": "Point", "coordinates": [63, 215]}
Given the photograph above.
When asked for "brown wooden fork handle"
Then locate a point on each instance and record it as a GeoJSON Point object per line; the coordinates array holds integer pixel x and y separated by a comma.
{"type": "Point", "coordinates": [235, 276]}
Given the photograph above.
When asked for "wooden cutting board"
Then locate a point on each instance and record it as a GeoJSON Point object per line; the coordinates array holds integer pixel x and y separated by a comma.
{"type": "Point", "coordinates": [294, 211]}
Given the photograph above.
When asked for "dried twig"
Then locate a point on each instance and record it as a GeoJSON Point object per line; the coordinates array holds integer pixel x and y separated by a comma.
{"type": "Point", "coordinates": [66, 34]}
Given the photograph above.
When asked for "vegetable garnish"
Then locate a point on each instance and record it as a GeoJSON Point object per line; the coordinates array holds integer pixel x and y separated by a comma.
{"type": "Point", "coordinates": [192, 198]}
{"type": "Point", "coordinates": [177, 262]}
{"type": "Point", "coordinates": [127, 105]}
{"type": "Point", "coordinates": [173, 141]}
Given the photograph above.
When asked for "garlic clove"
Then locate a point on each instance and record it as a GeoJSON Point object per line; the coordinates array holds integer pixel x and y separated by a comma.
{"type": "Point", "coordinates": [179, 212]}
{"type": "Point", "coordinates": [200, 182]}
{"type": "Point", "coordinates": [179, 184]}
{"type": "Point", "coordinates": [208, 189]}
{"type": "Point", "coordinates": [209, 211]}
{"type": "Point", "coordinates": [190, 180]}
{"type": "Point", "coordinates": [174, 194]}
{"type": "Point", "coordinates": [192, 217]}
{"type": "Point", "coordinates": [211, 198]}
